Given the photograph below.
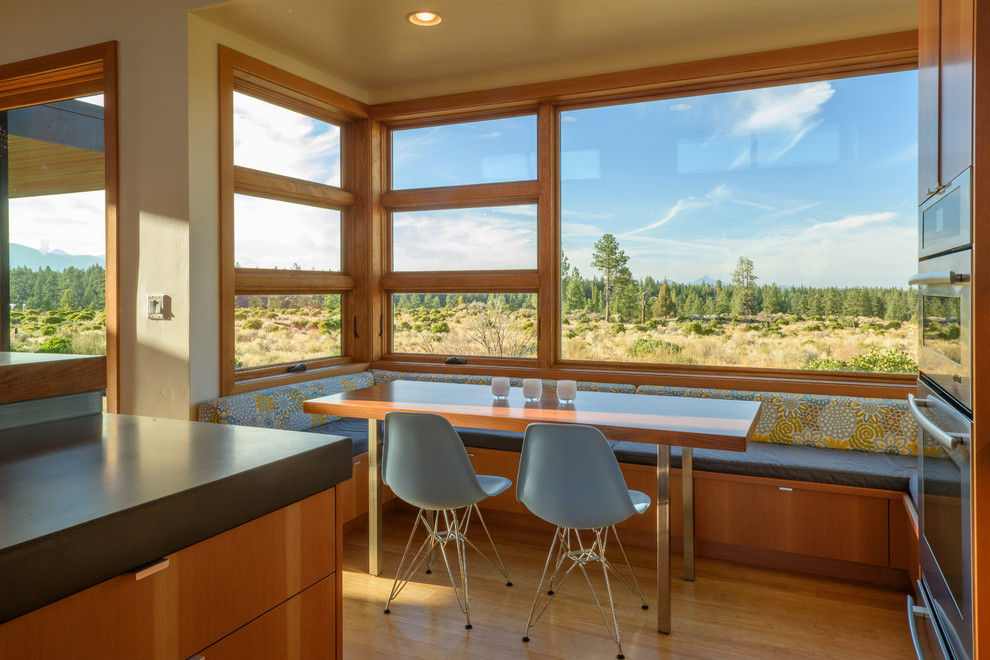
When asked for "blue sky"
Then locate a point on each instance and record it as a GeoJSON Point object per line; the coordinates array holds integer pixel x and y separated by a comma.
{"type": "Point", "coordinates": [815, 183]}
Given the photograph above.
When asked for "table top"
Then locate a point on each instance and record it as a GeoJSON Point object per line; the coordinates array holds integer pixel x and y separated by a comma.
{"type": "Point", "coordinates": [683, 421]}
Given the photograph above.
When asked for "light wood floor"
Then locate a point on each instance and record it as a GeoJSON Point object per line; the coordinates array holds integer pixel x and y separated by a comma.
{"type": "Point", "coordinates": [730, 611]}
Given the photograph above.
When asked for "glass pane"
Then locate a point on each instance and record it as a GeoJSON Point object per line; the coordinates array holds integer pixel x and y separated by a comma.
{"type": "Point", "coordinates": [482, 324]}
{"type": "Point", "coordinates": [56, 216]}
{"type": "Point", "coordinates": [494, 238]}
{"type": "Point", "coordinates": [273, 139]}
{"type": "Point", "coordinates": [941, 320]}
{"type": "Point", "coordinates": [489, 151]}
{"type": "Point", "coordinates": [767, 228]}
{"type": "Point", "coordinates": [274, 234]}
{"type": "Point", "coordinates": [275, 329]}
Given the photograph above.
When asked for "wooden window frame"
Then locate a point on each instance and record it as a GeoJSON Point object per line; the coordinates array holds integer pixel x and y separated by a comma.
{"type": "Point", "coordinates": [847, 58]}
{"type": "Point", "coordinates": [71, 74]}
{"type": "Point", "coordinates": [241, 73]}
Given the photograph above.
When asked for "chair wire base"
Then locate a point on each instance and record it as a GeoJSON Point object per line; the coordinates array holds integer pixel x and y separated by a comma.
{"type": "Point", "coordinates": [567, 544]}
{"type": "Point", "coordinates": [443, 527]}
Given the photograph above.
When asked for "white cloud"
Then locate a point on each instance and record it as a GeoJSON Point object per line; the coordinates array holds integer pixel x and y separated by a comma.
{"type": "Point", "coordinates": [852, 221]}
{"type": "Point", "coordinates": [680, 106]}
{"type": "Point", "coordinates": [466, 239]}
{"type": "Point", "coordinates": [73, 222]}
{"type": "Point", "coordinates": [713, 196]}
{"type": "Point", "coordinates": [271, 234]}
{"type": "Point", "coordinates": [790, 109]}
{"type": "Point", "coordinates": [273, 139]}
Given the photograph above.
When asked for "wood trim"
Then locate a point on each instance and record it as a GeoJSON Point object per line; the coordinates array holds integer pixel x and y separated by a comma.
{"type": "Point", "coordinates": [876, 54]}
{"type": "Point", "coordinates": [548, 232]}
{"type": "Point", "coordinates": [288, 189]}
{"type": "Point", "coordinates": [225, 193]}
{"type": "Point", "coordinates": [847, 571]}
{"type": "Point", "coordinates": [463, 281]}
{"type": "Point", "coordinates": [56, 77]}
{"type": "Point", "coordinates": [42, 378]}
{"type": "Point", "coordinates": [452, 197]}
{"type": "Point", "coordinates": [272, 281]}
{"type": "Point", "coordinates": [272, 83]}
{"type": "Point", "coordinates": [261, 378]}
{"type": "Point", "coordinates": [658, 375]}
{"type": "Point", "coordinates": [855, 491]}
{"type": "Point", "coordinates": [111, 174]}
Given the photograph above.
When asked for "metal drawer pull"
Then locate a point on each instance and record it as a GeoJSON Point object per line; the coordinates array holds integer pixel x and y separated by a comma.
{"type": "Point", "coordinates": [941, 277]}
{"type": "Point", "coordinates": [200, 656]}
{"type": "Point", "coordinates": [151, 568]}
{"type": "Point", "coordinates": [947, 440]}
{"type": "Point", "coordinates": [784, 488]}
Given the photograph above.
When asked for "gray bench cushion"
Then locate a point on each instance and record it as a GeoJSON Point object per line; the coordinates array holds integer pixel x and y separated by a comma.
{"type": "Point", "coordinates": [354, 428]}
{"type": "Point", "coordinates": [842, 467]}
{"type": "Point", "coordinates": [357, 430]}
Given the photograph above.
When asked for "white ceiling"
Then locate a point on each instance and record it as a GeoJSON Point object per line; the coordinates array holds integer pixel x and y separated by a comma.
{"type": "Point", "coordinates": [484, 44]}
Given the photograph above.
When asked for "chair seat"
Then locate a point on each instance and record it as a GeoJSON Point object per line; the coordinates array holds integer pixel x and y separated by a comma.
{"type": "Point", "coordinates": [493, 485]}
{"type": "Point", "coordinates": [641, 501]}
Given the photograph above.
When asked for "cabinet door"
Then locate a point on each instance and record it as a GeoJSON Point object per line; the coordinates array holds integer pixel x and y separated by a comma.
{"type": "Point", "coordinates": [499, 464]}
{"type": "Point", "coordinates": [302, 628]}
{"type": "Point", "coordinates": [956, 89]}
{"type": "Point", "coordinates": [234, 577]}
{"type": "Point", "coordinates": [760, 513]}
{"type": "Point", "coordinates": [929, 38]}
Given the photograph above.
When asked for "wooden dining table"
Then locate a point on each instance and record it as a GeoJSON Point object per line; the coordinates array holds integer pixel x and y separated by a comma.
{"type": "Point", "coordinates": [687, 422]}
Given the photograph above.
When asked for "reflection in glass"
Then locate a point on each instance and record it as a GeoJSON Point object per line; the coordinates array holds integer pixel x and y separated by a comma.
{"type": "Point", "coordinates": [740, 229]}
{"type": "Point", "coordinates": [483, 324]}
{"type": "Point", "coordinates": [275, 234]}
{"type": "Point", "coordinates": [273, 139]}
{"type": "Point", "coordinates": [490, 151]}
{"type": "Point", "coordinates": [941, 325]}
{"type": "Point", "coordinates": [55, 212]}
{"type": "Point", "coordinates": [276, 329]}
{"type": "Point", "coordinates": [494, 238]}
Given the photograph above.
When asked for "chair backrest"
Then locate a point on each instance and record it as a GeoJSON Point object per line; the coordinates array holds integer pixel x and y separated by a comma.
{"type": "Point", "coordinates": [424, 462]}
{"type": "Point", "coordinates": [568, 476]}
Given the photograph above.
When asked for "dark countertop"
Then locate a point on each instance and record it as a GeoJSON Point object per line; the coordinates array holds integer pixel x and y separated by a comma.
{"type": "Point", "coordinates": [85, 499]}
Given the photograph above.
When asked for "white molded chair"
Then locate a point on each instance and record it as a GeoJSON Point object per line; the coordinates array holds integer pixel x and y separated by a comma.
{"type": "Point", "coordinates": [568, 476]}
{"type": "Point", "coordinates": [425, 464]}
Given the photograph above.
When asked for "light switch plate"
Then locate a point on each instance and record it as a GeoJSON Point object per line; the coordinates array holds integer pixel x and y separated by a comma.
{"type": "Point", "coordinates": [156, 306]}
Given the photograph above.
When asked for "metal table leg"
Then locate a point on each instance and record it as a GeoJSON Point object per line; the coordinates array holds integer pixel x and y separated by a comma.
{"type": "Point", "coordinates": [663, 538]}
{"type": "Point", "coordinates": [687, 488]}
{"type": "Point", "coordinates": [374, 499]}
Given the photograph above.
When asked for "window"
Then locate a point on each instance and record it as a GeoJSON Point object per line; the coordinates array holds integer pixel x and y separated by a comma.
{"type": "Point", "coordinates": [771, 227]}
{"type": "Point", "coordinates": [58, 207]}
{"type": "Point", "coordinates": [759, 223]}
{"type": "Point", "coordinates": [464, 219]}
{"type": "Point", "coordinates": [285, 218]}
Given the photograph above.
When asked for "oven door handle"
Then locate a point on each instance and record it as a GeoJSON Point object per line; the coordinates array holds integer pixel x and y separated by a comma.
{"type": "Point", "coordinates": [940, 277]}
{"type": "Point", "coordinates": [948, 441]}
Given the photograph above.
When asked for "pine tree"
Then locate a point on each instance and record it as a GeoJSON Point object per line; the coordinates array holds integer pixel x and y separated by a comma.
{"type": "Point", "coordinates": [610, 261]}
{"type": "Point", "coordinates": [663, 305]}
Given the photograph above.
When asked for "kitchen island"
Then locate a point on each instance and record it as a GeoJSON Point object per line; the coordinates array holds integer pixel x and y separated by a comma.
{"type": "Point", "coordinates": [141, 537]}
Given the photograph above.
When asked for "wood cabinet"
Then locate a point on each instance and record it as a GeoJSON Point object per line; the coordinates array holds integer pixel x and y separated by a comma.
{"type": "Point", "coordinates": [207, 591]}
{"type": "Point", "coordinates": [945, 89]}
{"type": "Point", "coordinates": [353, 494]}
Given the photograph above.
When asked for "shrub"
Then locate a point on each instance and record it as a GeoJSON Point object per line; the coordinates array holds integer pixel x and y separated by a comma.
{"type": "Point", "coordinates": [329, 326]}
{"type": "Point", "coordinates": [893, 325]}
{"type": "Point", "coordinates": [439, 328]}
{"type": "Point", "coordinates": [54, 319]}
{"type": "Point", "coordinates": [252, 324]}
{"type": "Point", "coordinates": [696, 328]}
{"type": "Point", "coordinates": [56, 345]}
{"type": "Point", "coordinates": [570, 334]}
{"type": "Point", "coordinates": [640, 328]}
{"type": "Point", "coordinates": [828, 364]}
{"type": "Point", "coordinates": [653, 324]}
{"type": "Point", "coordinates": [48, 330]}
{"type": "Point", "coordinates": [616, 328]}
{"type": "Point", "coordinates": [644, 346]}
{"type": "Point", "coordinates": [885, 361]}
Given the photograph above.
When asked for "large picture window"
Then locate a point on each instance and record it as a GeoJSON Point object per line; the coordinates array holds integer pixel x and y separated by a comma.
{"type": "Point", "coordinates": [770, 227]}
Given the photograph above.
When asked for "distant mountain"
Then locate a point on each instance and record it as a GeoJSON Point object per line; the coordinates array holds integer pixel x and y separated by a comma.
{"type": "Point", "coordinates": [704, 279]}
{"type": "Point", "coordinates": [21, 255]}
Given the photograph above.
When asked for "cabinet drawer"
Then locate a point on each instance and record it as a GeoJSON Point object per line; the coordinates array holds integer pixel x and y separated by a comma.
{"type": "Point", "coordinates": [301, 628]}
{"type": "Point", "coordinates": [819, 522]}
{"type": "Point", "coordinates": [232, 578]}
{"type": "Point", "coordinates": [208, 590]}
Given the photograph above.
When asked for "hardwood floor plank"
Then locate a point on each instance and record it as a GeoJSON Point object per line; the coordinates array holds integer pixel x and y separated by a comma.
{"type": "Point", "coordinates": [732, 611]}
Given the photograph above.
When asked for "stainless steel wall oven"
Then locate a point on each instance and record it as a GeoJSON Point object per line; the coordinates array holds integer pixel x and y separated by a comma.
{"type": "Point", "coordinates": [943, 410]}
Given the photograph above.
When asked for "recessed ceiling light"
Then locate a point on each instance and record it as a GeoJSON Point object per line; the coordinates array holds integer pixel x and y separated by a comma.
{"type": "Point", "coordinates": [424, 18]}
